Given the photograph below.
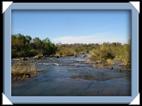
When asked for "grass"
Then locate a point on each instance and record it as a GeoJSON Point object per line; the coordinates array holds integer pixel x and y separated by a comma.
{"type": "Point", "coordinates": [23, 69]}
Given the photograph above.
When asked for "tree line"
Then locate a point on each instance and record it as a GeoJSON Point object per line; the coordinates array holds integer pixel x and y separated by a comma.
{"type": "Point", "coordinates": [26, 46]}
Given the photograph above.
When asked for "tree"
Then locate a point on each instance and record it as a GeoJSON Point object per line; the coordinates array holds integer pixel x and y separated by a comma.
{"type": "Point", "coordinates": [48, 47]}
{"type": "Point", "coordinates": [23, 46]}
{"type": "Point", "coordinates": [28, 38]}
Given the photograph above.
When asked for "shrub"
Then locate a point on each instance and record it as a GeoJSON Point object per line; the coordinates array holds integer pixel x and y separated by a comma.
{"type": "Point", "coordinates": [25, 46]}
{"type": "Point", "coordinates": [110, 53]}
{"type": "Point", "coordinates": [21, 70]}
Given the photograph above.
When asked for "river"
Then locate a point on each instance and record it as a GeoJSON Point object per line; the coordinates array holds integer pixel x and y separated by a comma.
{"type": "Point", "coordinates": [72, 76]}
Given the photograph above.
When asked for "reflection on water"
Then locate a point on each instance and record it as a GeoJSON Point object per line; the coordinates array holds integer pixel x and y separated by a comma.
{"type": "Point", "coordinates": [71, 76]}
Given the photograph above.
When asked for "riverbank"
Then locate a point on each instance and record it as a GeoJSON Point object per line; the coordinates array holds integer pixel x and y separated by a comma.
{"type": "Point", "coordinates": [23, 69]}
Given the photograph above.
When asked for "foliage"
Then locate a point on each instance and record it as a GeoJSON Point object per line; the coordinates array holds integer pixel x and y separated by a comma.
{"type": "Point", "coordinates": [106, 53]}
{"type": "Point", "coordinates": [25, 46]}
{"type": "Point", "coordinates": [73, 49]}
{"type": "Point", "coordinates": [112, 53]}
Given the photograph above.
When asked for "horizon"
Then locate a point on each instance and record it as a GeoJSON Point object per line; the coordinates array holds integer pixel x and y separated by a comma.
{"type": "Point", "coordinates": [59, 43]}
{"type": "Point", "coordinates": [70, 27]}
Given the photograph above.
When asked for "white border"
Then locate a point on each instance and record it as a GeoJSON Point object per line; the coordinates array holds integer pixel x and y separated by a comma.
{"type": "Point", "coordinates": [5, 100]}
{"type": "Point", "coordinates": [5, 5]}
{"type": "Point", "coordinates": [136, 5]}
{"type": "Point", "coordinates": [136, 100]}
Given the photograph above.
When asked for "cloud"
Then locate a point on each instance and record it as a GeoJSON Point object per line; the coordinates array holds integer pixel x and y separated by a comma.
{"type": "Point", "coordinates": [96, 38]}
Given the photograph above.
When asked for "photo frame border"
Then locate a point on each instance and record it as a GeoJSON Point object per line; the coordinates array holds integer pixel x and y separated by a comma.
{"type": "Point", "coordinates": [71, 99]}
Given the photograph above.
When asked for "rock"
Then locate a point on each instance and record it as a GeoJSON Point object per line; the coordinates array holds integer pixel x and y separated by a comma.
{"type": "Point", "coordinates": [38, 56]}
{"type": "Point", "coordinates": [27, 75]}
{"type": "Point", "coordinates": [57, 56]}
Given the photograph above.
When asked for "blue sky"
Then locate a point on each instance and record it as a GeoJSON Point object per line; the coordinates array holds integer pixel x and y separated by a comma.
{"type": "Point", "coordinates": [73, 26]}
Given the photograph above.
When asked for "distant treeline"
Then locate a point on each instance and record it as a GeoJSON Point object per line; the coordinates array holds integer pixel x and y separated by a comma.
{"type": "Point", "coordinates": [25, 46]}
{"type": "Point", "coordinates": [106, 53]}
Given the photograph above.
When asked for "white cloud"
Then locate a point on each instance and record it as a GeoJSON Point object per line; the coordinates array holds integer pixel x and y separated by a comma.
{"type": "Point", "coordinates": [96, 38]}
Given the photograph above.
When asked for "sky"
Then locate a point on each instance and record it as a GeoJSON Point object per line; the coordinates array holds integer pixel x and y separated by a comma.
{"type": "Point", "coordinates": [73, 26]}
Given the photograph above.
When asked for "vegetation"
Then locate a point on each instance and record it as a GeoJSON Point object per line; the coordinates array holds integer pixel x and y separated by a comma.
{"type": "Point", "coordinates": [22, 70]}
{"type": "Point", "coordinates": [73, 49]}
{"type": "Point", "coordinates": [109, 54]}
{"type": "Point", "coordinates": [106, 53]}
{"type": "Point", "coordinates": [25, 46]}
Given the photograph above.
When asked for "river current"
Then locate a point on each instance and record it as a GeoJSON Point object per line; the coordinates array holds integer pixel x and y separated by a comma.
{"type": "Point", "coordinates": [72, 76]}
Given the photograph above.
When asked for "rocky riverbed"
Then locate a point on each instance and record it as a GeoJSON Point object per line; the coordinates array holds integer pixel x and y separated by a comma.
{"type": "Point", "coordinates": [73, 76]}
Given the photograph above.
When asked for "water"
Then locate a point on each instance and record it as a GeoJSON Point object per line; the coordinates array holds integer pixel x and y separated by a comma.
{"type": "Point", "coordinates": [71, 76]}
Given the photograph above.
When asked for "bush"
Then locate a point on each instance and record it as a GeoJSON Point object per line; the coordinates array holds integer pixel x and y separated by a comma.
{"type": "Point", "coordinates": [25, 46]}
{"type": "Point", "coordinates": [109, 53]}
{"type": "Point", "coordinates": [22, 70]}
